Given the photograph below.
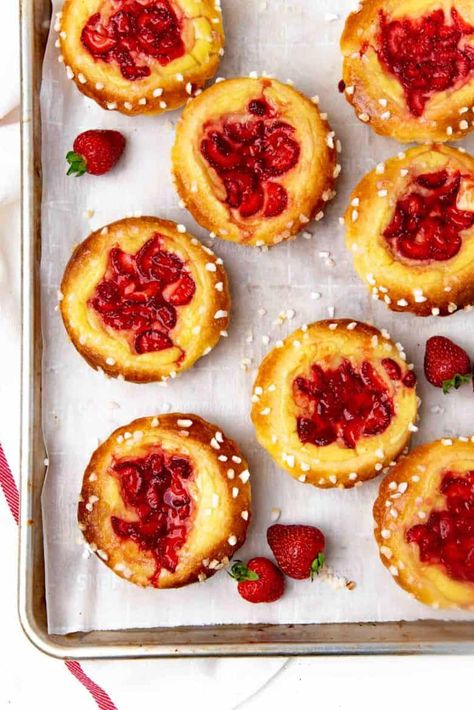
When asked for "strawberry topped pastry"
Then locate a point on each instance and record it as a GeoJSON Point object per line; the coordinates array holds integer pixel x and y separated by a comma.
{"type": "Point", "coordinates": [140, 56]}
{"type": "Point", "coordinates": [424, 518]}
{"type": "Point", "coordinates": [336, 404]}
{"type": "Point", "coordinates": [157, 504]}
{"type": "Point", "coordinates": [410, 228]}
{"type": "Point", "coordinates": [95, 152]}
{"type": "Point", "coordinates": [446, 364]}
{"type": "Point", "coordinates": [142, 300]}
{"type": "Point", "coordinates": [298, 549]}
{"type": "Point", "coordinates": [409, 67]}
{"type": "Point", "coordinates": [254, 161]}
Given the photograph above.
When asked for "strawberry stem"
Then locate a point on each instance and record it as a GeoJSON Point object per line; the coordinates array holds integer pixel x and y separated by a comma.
{"type": "Point", "coordinates": [242, 573]}
{"type": "Point", "coordinates": [455, 382]}
{"type": "Point", "coordinates": [78, 164]}
{"type": "Point", "coordinates": [317, 565]}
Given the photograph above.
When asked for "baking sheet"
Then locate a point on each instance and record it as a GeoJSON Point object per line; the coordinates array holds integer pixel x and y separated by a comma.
{"type": "Point", "coordinates": [291, 40]}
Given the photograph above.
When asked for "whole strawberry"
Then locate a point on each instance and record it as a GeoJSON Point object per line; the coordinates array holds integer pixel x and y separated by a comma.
{"type": "Point", "coordinates": [258, 580]}
{"type": "Point", "coordinates": [95, 152]}
{"type": "Point", "coordinates": [446, 364]}
{"type": "Point", "coordinates": [298, 549]}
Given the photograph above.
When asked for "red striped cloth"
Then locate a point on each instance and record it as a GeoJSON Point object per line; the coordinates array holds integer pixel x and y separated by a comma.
{"type": "Point", "coordinates": [100, 696]}
{"type": "Point", "coordinates": [12, 496]}
{"type": "Point", "coordinates": [9, 487]}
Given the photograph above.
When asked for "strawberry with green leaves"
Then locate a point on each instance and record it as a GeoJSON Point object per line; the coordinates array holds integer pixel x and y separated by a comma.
{"type": "Point", "coordinates": [259, 581]}
{"type": "Point", "coordinates": [298, 549]}
{"type": "Point", "coordinates": [446, 364]}
{"type": "Point", "coordinates": [95, 152]}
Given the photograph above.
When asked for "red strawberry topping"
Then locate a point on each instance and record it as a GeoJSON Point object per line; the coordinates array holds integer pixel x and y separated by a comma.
{"type": "Point", "coordinates": [343, 404]}
{"type": "Point", "coordinates": [260, 107]}
{"type": "Point", "coordinates": [392, 368]}
{"type": "Point", "coordinates": [244, 131]}
{"type": "Point", "coordinates": [181, 292]}
{"type": "Point", "coordinates": [134, 35]}
{"type": "Point", "coordinates": [427, 55]}
{"type": "Point", "coordinates": [153, 263]}
{"type": "Point", "coordinates": [276, 199]}
{"type": "Point", "coordinates": [259, 581]}
{"type": "Point", "coordinates": [409, 380]}
{"type": "Point", "coordinates": [151, 341]}
{"type": "Point", "coordinates": [241, 185]}
{"type": "Point", "coordinates": [298, 549]}
{"type": "Point", "coordinates": [394, 371]}
{"type": "Point", "coordinates": [140, 293]}
{"type": "Point", "coordinates": [281, 153]}
{"type": "Point", "coordinates": [220, 152]}
{"type": "Point", "coordinates": [247, 151]}
{"type": "Point", "coordinates": [155, 488]}
{"type": "Point", "coordinates": [447, 538]}
{"type": "Point", "coordinates": [426, 224]}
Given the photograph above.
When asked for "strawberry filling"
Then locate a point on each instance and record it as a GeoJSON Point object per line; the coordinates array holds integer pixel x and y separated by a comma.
{"type": "Point", "coordinates": [156, 489]}
{"type": "Point", "coordinates": [140, 294]}
{"type": "Point", "coordinates": [426, 224]}
{"type": "Point", "coordinates": [427, 55]}
{"type": "Point", "coordinates": [248, 152]}
{"type": "Point", "coordinates": [447, 538]}
{"type": "Point", "coordinates": [132, 34]}
{"type": "Point", "coordinates": [342, 404]}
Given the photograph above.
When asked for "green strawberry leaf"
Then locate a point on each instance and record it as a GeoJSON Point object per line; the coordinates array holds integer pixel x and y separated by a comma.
{"type": "Point", "coordinates": [78, 164]}
{"type": "Point", "coordinates": [455, 382]}
{"type": "Point", "coordinates": [242, 573]}
{"type": "Point", "coordinates": [317, 564]}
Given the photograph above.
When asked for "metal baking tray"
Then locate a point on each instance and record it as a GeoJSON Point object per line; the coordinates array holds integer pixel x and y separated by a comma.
{"type": "Point", "coordinates": [230, 640]}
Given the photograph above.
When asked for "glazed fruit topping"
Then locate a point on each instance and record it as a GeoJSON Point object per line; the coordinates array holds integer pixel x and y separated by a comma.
{"type": "Point", "coordinates": [427, 224]}
{"type": "Point", "coordinates": [135, 34]}
{"type": "Point", "coordinates": [394, 371]}
{"type": "Point", "coordinates": [156, 490]}
{"type": "Point", "coordinates": [248, 152]}
{"type": "Point", "coordinates": [427, 55]}
{"type": "Point", "coordinates": [141, 292]}
{"type": "Point", "coordinates": [342, 404]}
{"type": "Point", "coordinates": [447, 538]}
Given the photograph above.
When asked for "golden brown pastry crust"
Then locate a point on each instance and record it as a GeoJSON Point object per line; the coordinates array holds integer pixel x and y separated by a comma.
{"type": "Point", "coordinates": [274, 410]}
{"type": "Point", "coordinates": [219, 488]}
{"type": "Point", "coordinates": [309, 184]}
{"type": "Point", "coordinates": [433, 288]}
{"type": "Point", "coordinates": [377, 96]}
{"type": "Point", "coordinates": [168, 87]}
{"type": "Point", "coordinates": [199, 326]}
{"type": "Point", "coordinates": [406, 497]}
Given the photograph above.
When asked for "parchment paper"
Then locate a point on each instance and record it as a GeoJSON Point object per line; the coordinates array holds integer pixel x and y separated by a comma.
{"type": "Point", "coordinates": [292, 40]}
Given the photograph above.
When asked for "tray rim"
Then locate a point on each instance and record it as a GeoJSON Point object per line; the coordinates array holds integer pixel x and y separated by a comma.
{"type": "Point", "coordinates": [417, 637]}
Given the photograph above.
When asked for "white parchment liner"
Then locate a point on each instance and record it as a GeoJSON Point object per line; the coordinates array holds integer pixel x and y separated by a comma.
{"type": "Point", "coordinates": [292, 40]}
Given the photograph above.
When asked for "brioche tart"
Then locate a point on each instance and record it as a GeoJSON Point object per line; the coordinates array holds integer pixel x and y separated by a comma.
{"type": "Point", "coordinates": [410, 227]}
{"type": "Point", "coordinates": [141, 299]}
{"type": "Point", "coordinates": [335, 404]}
{"type": "Point", "coordinates": [424, 522]}
{"type": "Point", "coordinates": [408, 68]}
{"type": "Point", "coordinates": [254, 160]}
{"type": "Point", "coordinates": [166, 502]}
{"type": "Point", "coordinates": [140, 56]}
